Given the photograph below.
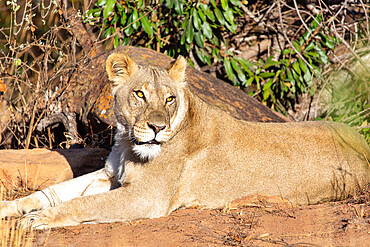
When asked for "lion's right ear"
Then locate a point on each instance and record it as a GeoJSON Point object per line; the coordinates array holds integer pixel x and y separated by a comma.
{"type": "Point", "coordinates": [176, 71]}
{"type": "Point", "coordinates": [120, 67]}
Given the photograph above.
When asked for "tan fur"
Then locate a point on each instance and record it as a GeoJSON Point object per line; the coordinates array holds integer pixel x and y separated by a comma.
{"type": "Point", "coordinates": [199, 155]}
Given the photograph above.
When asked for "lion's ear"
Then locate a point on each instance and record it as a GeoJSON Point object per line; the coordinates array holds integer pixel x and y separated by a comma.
{"type": "Point", "coordinates": [176, 70]}
{"type": "Point", "coordinates": [120, 67]}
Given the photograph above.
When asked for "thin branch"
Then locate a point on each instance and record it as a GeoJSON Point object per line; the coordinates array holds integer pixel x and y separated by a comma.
{"type": "Point", "coordinates": [350, 48]}
{"type": "Point", "coordinates": [291, 44]}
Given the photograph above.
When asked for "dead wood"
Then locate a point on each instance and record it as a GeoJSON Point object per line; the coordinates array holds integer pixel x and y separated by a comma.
{"type": "Point", "coordinates": [207, 87]}
{"type": "Point", "coordinates": [40, 168]}
{"type": "Point", "coordinates": [89, 95]}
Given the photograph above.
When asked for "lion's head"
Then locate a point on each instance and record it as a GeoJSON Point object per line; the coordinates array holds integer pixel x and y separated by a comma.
{"type": "Point", "coordinates": [149, 101]}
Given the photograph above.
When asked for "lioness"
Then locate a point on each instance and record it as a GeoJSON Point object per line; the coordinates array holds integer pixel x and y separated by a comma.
{"type": "Point", "coordinates": [173, 150]}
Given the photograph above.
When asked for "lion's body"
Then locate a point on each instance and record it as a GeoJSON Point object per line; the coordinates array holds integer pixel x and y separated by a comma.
{"type": "Point", "coordinates": [173, 150]}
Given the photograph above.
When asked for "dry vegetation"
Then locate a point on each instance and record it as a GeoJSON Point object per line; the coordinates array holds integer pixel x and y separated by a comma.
{"type": "Point", "coordinates": [9, 234]}
{"type": "Point", "coordinates": [43, 51]}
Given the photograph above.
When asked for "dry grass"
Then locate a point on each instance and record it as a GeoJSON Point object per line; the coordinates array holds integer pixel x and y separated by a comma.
{"type": "Point", "coordinates": [10, 235]}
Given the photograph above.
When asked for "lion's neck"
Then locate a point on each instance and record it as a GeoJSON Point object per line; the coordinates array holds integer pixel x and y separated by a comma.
{"type": "Point", "coordinates": [192, 116]}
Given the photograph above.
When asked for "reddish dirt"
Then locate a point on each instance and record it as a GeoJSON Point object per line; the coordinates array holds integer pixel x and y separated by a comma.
{"type": "Point", "coordinates": [249, 222]}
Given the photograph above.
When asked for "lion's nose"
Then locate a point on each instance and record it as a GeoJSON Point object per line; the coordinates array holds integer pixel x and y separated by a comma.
{"type": "Point", "coordinates": [156, 128]}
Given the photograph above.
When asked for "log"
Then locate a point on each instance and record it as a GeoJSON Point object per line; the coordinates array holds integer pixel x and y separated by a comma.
{"type": "Point", "coordinates": [37, 169]}
{"type": "Point", "coordinates": [88, 97]}
{"type": "Point", "coordinates": [210, 89]}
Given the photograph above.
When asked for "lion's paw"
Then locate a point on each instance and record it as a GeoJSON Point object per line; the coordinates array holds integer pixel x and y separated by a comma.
{"type": "Point", "coordinates": [33, 220]}
{"type": "Point", "coordinates": [9, 209]}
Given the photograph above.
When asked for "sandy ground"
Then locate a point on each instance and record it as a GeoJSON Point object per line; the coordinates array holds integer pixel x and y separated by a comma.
{"type": "Point", "coordinates": [252, 221]}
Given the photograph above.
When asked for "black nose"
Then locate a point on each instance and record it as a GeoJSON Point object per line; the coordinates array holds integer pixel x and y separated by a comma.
{"type": "Point", "coordinates": [156, 128]}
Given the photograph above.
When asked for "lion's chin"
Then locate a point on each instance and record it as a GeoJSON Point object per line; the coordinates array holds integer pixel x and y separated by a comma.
{"type": "Point", "coordinates": [147, 151]}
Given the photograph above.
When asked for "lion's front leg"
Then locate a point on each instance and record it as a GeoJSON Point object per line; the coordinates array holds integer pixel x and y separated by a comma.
{"type": "Point", "coordinates": [89, 184]}
{"type": "Point", "coordinates": [121, 204]}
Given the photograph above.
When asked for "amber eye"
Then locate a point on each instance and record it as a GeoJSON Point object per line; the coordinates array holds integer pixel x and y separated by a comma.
{"type": "Point", "coordinates": [140, 94]}
{"type": "Point", "coordinates": [170, 99]}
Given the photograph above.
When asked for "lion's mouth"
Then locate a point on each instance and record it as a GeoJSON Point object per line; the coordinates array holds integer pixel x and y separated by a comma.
{"type": "Point", "coordinates": [148, 142]}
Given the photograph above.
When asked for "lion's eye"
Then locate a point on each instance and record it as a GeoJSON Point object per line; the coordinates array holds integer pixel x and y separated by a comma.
{"type": "Point", "coordinates": [140, 94]}
{"type": "Point", "coordinates": [170, 99]}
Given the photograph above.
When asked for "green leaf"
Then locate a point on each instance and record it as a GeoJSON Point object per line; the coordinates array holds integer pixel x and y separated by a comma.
{"type": "Point", "coordinates": [267, 74]}
{"type": "Point", "coordinates": [327, 41]}
{"type": "Point", "coordinates": [189, 33]}
{"type": "Point", "coordinates": [199, 39]}
{"type": "Point", "coordinates": [311, 91]}
{"type": "Point", "coordinates": [141, 4]}
{"type": "Point", "coordinates": [108, 8]}
{"type": "Point", "coordinates": [108, 32]}
{"type": "Point", "coordinates": [247, 66]}
{"type": "Point", "coordinates": [17, 62]}
{"type": "Point", "coordinates": [159, 41]}
{"type": "Point", "coordinates": [231, 28]}
{"type": "Point", "coordinates": [235, 2]}
{"type": "Point", "coordinates": [306, 35]}
{"type": "Point", "coordinates": [101, 2]}
{"type": "Point", "coordinates": [307, 77]}
{"type": "Point", "coordinates": [310, 46]}
{"type": "Point", "coordinates": [236, 82]}
{"type": "Point", "coordinates": [289, 74]}
{"type": "Point", "coordinates": [184, 24]}
{"type": "Point", "coordinates": [316, 22]}
{"type": "Point", "coordinates": [257, 79]}
{"type": "Point", "coordinates": [208, 12]}
{"type": "Point", "coordinates": [287, 51]}
{"type": "Point", "coordinates": [238, 70]}
{"type": "Point", "coordinates": [311, 54]}
{"type": "Point", "coordinates": [224, 4]}
{"type": "Point", "coordinates": [207, 30]}
{"type": "Point", "coordinates": [123, 19]}
{"type": "Point", "coordinates": [135, 16]}
{"type": "Point", "coordinates": [126, 41]}
{"type": "Point", "coordinates": [266, 90]}
{"type": "Point", "coordinates": [146, 26]}
{"type": "Point", "coordinates": [249, 81]}
{"type": "Point", "coordinates": [129, 29]}
{"type": "Point", "coordinates": [114, 19]}
{"type": "Point", "coordinates": [296, 68]}
{"type": "Point", "coordinates": [215, 53]}
{"type": "Point", "coordinates": [271, 64]}
{"type": "Point", "coordinates": [297, 46]}
{"type": "Point", "coordinates": [196, 20]}
{"type": "Point", "coordinates": [228, 68]}
{"type": "Point", "coordinates": [119, 7]}
{"type": "Point", "coordinates": [170, 3]}
{"type": "Point", "coordinates": [116, 41]}
{"type": "Point", "coordinates": [267, 84]}
{"type": "Point", "coordinates": [92, 11]}
{"type": "Point", "coordinates": [322, 56]}
{"type": "Point", "coordinates": [187, 47]}
{"type": "Point", "coordinates": [302, 65]}
{"type": "Point", "coordinates": [202, 15]}
{"type": "Point", "coordinates": [229, 15]}
{"type": "Point", "coordinates": [219, 16]}
{"type": "Point", "coordinates": [203, 55]}
{"type": "Point", "coordinates": [98, 13]}
{"type": "Point", "coordinates": [183, 38]}
{"type": "Point", "coordinates": [178, 6]}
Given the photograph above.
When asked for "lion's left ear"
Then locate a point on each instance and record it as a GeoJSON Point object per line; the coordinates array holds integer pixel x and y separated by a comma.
{"type": "Point", "coordinates": [120, 67]}
{"type": "Point", "coordinates": [176, 70]}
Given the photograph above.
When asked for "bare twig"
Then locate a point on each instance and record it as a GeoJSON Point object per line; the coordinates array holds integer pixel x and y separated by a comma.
{"type": "Point", "coordinates": [292, 46]}
{"type": "Point", "coordinates": [350, 48]}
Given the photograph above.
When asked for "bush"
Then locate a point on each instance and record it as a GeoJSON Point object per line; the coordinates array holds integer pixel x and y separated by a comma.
{"type": "Point", "coordinates": [197, 28]}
